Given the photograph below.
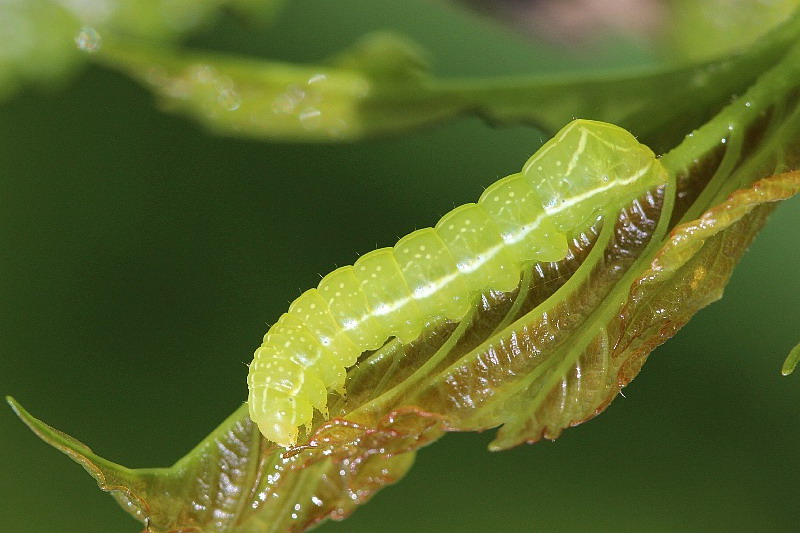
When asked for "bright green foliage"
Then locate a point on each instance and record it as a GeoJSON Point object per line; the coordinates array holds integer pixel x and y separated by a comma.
{"type": "Point", "coordinates": [791, 361]}
{"type": "Point", "coordinates": [534, 361]}
{"type": "Point", "coordinates": [403, 397]}
{"type": "Point", "coordinates": [26, 54]}
{"type": "Point", "coordinates": [38, 37]}
{"type": "Point", "coordinates": [380, 86]}
{"type": "Point", "coordinates": [712, 28]}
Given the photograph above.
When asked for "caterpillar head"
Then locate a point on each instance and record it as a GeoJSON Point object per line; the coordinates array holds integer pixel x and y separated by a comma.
{"type": "Point", "coordinates": [589, 168]}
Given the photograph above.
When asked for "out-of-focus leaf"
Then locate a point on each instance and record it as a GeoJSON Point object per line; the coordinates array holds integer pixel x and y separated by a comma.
{"type": "Point", "coordinates": [373, 88]}
{"type": "Point", "coordinates": [36, 43]}
{"type": "Point", "coordinates": [384, 55]}
{"type": "Point", "coordinates": [160, 20]}
{"type": "Point", "coordinates": [379, 87]}
{"type": "Point", "coordinates": [37, 37]}
{"type": "Point", "coordinates": [547, 356]}
{"type": "Point", "coordinates": [702, 30]}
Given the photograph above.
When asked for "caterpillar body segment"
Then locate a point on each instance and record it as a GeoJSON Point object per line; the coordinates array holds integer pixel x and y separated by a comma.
{"type": "Point", "coordinates": [588, 168]}
{"type": "Point", "coordinates": [383, 282]}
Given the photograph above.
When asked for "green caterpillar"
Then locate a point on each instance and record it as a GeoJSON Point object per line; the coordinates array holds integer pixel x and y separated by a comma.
{"type": "Point", "coordinates": [588, 169]}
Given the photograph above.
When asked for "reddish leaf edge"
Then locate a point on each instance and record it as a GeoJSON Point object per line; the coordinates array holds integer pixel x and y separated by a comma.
{"type": "Point", "coordinates": [406, 429]}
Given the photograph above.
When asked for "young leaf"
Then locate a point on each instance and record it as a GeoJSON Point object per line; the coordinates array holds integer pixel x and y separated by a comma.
{"type": "Point", "coordinates": [701, 30]}
{"type": "Point", "coordinates": [535, 367]}
{"type": "Point", "coordinates": [547, 356]}
{"type": "Point", "coordinates": [226, 478]}
{"type": "Point", "coordinates": [791, 361]}
{"type": "Point", "coordinates": [544, 357]}
{"type": "Point", "coordinates": [380, 87]}
{"type": "Point", "coordinates": [38, 37]}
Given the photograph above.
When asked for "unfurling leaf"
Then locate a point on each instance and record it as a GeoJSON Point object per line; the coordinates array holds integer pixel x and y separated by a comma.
{"type": "Point", "coordinates": [549, 355]}
{"type": "Point", "coordinates": [546, 357]}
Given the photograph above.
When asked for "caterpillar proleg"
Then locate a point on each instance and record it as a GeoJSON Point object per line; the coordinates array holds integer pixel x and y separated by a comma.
{"type": "Point", "coordinates": [588, 169]}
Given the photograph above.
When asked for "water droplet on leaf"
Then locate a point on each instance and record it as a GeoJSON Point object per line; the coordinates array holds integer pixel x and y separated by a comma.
{"type": "Point", "coordinates": [88, 40]}
{"type": "Point", "coordinates": [229, 99]}
{"type": "Point", "coordinates": [311, 118]}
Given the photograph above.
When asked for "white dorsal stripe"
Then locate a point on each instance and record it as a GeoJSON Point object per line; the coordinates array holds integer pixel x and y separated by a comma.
{"type": "Point", "coordinates": [436, 285]}
{"type": "Point", "coordinates": [581, 147]}
{"type": "Point", "coordinates": [578, 198]}
{"type": "Point", "coordinates": [589, 168]}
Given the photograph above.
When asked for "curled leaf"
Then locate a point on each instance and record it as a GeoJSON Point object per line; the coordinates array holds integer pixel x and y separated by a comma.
{"type": "Point", "coordinates": [549, 355]}
{"type": "Point", "coordinates": [546, 357]}
{"type": "Point", "coordinates": [687, 239]}
{"type": "Point", "coordinates": [380, 86]}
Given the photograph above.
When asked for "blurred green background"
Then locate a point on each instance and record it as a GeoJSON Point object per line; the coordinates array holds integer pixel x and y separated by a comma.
{"type": "Point", "coordinates": [141, 259]}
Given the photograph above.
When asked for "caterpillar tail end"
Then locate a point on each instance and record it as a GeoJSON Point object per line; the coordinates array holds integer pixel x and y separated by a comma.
{"type": "Point", "coordinates": [281, 433]}
{"type": "Point", "coordinates": [277, 423]}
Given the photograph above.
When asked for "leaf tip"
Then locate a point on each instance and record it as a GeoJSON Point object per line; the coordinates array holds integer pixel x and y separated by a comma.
{"type": "Point", "coordinates": [791, 361]}
{"type": "Point", "coordinates": [16, 407]}
{"type": "Point", "coordinates": [33, 423]}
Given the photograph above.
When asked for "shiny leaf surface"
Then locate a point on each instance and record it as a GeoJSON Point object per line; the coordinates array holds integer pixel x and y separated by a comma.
{"type": "Point", "coordinates": [547, 356]}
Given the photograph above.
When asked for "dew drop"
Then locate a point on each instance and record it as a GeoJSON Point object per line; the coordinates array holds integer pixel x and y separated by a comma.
{"type": "Point", "coordinates": [202, 73]}
{"type": "Point", "coordinates": [339, 127]}
{"type": "Point", "coordinates": [229, 99]}
{"type": "Point", "coordinates": [88, 40]}
{"type": "Point", "coordinates": [288, 101]}
{"type": "Point", "coordinates": [177, 88]}
{"type": "Point", "coordinates": [311, 118]}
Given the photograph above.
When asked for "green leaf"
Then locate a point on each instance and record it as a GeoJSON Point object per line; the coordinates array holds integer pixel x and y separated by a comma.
{"type": "Point", "coordinates": [538, 375]}
{"type": "Point", "coordinates": [791, 361]}
{"type": "Point", "coordinates": [547, 356]}
{"type": "Point", "coordinates": [230, 482]}
{"type": "Point", "coordinates": [701, 30]}
{"type": "Point", "coordinates": [37, 37]}
{"type": "Point", "coordinates": [379, 86]}
{"type": "Point", "coordinates": [36, 43]}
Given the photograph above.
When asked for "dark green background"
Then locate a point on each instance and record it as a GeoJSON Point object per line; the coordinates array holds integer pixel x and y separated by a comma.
{"type": "Point", "coordinates": [141, 258]}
